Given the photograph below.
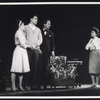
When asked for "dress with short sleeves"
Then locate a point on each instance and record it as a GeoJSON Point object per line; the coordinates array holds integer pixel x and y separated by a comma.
{"type": "Point", "coordinates": [20, 62]}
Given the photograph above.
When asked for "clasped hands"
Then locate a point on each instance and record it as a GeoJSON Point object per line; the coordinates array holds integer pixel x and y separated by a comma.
{"type": "Point", "coordinates": [34, 47]}
{"type": "Point", "coordinates": [92, 47]}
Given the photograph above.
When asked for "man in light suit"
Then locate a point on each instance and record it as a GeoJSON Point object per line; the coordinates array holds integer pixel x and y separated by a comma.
{"type": "Point", "coordinates": [48, 49]}
{"type": "Point", "coordinates": [34, 36]}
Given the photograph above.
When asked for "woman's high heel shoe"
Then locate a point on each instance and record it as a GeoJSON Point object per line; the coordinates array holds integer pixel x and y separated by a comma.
{"type": "Point", "coordinates": [26, 88]}
{"type": "Point", "coordinates": [21, 89]}
{"type": "Point", "coordinates": [13, 89]}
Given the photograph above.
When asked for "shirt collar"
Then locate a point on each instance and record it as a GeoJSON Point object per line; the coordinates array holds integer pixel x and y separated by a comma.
{"type": "Point", "coordinates": [45, 29]}
{"type": "Point", "coordinates": [32, 26]}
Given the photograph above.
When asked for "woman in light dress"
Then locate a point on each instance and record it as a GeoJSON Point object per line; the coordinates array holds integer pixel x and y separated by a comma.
{"type": "Point", "coordinates": [94, 58]}
{"type": "Point", "coordinates": [20, 62]}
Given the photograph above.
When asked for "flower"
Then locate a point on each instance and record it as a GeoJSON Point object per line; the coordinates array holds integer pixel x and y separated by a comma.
{"type": "Point", "coordinates": [45, 32]}
{"type": "Point", "coordinates": [49, 35]}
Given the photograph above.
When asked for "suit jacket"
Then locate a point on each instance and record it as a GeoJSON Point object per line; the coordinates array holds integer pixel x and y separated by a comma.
{"type": "Point", "coordinates": [48, 43]}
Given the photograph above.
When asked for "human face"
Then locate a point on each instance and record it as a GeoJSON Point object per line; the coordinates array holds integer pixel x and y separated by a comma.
{"type": "Point", "coordinates": [93, 34]}
{"type": "Point", "coordinates": [34, 20]}
{"type": "Point", "coordinates": [47, 25]}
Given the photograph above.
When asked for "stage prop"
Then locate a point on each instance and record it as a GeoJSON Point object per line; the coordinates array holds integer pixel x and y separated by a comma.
{"type": "Point", "coordinates": [63, 71]}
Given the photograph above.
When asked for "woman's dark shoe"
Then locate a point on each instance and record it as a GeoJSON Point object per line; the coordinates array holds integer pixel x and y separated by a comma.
{"type": "Point", "coordinates": [93, 86]}
{"type": "Point", "coordinates": [45, 88]}
{"type": "Point", "coordinates": [21, 89]}
{"type": "Point", "coordinates": [39, 88]}
{"type": "Point", "coordinates": [34, 87]}
{"type": "Point", "coordinates": [26, 88]}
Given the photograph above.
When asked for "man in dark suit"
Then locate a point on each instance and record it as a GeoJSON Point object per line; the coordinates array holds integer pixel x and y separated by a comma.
{"type": "Point", "coordinates": [48, 49]}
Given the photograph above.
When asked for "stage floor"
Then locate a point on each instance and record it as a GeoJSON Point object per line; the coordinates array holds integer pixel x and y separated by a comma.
{"type": "Point", "coordinates": [84, 90]}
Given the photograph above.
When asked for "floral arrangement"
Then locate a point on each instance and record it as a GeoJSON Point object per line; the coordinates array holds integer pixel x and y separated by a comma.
{"type": "Point", "coordinates": [58, 60]}
{"type": "Point", "coordinates": [59, 67]}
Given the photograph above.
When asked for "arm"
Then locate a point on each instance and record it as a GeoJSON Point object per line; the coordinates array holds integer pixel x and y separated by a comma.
{"type": "Point", "coordinates": [21, 40]}
{"type": "Point", "coordinates": [53, 44]}
{"type": "Point", "coordinates": [40, 39]}
{"type": "Point", "coordinates": [29, 45]}
{"type": "Point", "coordinates": [87, 47]}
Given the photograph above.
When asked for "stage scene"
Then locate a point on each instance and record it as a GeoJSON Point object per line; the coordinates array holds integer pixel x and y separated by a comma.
{"type": "Point", "coordinates": [50, 50]}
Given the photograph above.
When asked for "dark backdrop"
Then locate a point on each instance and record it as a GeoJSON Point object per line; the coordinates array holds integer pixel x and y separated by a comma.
{"type": "Point", "coordinates": [71, 25]}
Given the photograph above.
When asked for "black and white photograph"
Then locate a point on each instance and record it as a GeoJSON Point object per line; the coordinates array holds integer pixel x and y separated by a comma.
{"type": "Point", "coordinates": [50, 49]}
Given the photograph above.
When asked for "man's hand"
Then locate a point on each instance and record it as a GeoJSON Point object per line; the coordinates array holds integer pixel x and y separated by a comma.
{"type": "Point", "coordinates": [53, 54]}
{"type": "Point", "coordinates": [31, 47]}
{"type": "Point", "coordinates": [39, 50]}
{"type": "Point", "coordinates": [36, 47]}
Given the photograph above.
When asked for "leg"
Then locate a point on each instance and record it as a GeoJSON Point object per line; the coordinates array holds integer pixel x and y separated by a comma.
{"type": "Point", "coordinates": [26, 77]}
{"type": "Point", "coordinates": [34, 68]}
{"type": "Point", "coordinates": [39, 72]}
{"type": "Point", "coordinates": [29, 77]}
{"type": "Point", "coordinates": [45, 65]}
{"type": "Point", "coordinates": [20, 82]}
{"type": "Point", "coordinates": [97, 80]}
{"type": "Point", "coordinates": [25, 80]}
{"type": "Point", "coordinates": [93, 80]}
{"type": "Point", "coordinates": [13, 78]}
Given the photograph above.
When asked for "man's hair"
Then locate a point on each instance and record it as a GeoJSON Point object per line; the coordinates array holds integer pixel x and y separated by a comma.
{"type": "Point", "coordinates": [45, 21]}
{"type": "Point", "coordinates": [33, 15]}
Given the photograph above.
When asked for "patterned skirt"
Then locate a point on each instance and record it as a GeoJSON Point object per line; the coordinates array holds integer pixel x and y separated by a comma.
{"type": "Point", "coordinates": [20, 62]}
{"type": "Point", "coordinates": [94, 62]}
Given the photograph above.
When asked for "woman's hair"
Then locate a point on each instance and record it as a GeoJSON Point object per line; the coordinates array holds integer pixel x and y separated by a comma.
{"type": "Point", "coordinates": [18, 23]}
{"type": "Point", "coordinates": [96, 30]}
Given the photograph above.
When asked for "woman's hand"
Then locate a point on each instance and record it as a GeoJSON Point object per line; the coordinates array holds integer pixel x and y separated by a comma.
{"type": "Point", "coordinates": [92, 47]}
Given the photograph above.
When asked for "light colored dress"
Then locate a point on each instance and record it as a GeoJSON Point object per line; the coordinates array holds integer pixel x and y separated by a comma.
{"type": "Point", "coordinates": [94, 57]}
{"type": "Point", "coordinates": [20, 62]}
